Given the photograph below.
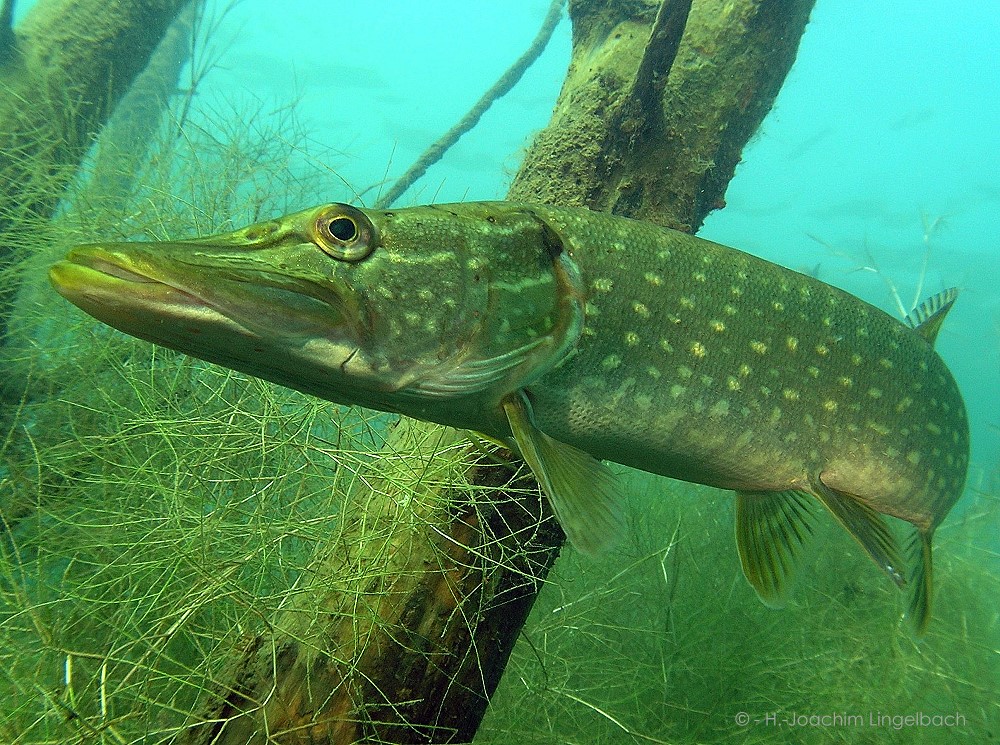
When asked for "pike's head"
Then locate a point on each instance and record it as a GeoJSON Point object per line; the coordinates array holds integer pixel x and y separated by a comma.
{"type": "Point", "coordinates": [437, 312]}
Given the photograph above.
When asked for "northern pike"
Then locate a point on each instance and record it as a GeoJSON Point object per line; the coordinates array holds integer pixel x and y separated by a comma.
{"type": "Point", "coordinates": [577, 338]}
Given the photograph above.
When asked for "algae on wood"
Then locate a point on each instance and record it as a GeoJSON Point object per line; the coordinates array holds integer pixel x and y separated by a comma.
{"type": "Point", "coordinates": [666, 158]}
{"type": "Point", "coordinates": [412, 618]}
{"type": "Point", "coordinates": [64, 70]}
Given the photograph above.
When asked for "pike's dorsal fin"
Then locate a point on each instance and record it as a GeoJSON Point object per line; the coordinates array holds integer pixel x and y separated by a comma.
{"type": "Point", "coordinates": [771, 528]}
{"type": "Point", "coordinates": [868, 528]}
{"type": "Point", "coordinates": [583, 493]}
{"type": "Point", "coordinates": [918, 553]}
{"type": "Point", "coordinates": [926, 318]}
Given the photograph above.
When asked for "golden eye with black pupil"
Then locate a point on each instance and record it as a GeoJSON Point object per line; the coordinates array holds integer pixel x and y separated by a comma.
{"type": "Point", "coordinates": [345, 233]}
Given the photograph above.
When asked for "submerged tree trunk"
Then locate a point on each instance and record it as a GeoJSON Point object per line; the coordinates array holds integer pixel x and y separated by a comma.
{"type": "Point", "coordinates": [410, 618]}
{"type": "Point", "coordinates": [62, 71]}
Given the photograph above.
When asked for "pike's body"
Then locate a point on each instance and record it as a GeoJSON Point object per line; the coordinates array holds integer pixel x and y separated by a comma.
{"type": "Point", "coordinates": [575, 334]}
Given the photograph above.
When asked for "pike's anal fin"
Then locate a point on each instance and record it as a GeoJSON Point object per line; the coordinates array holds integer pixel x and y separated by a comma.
{"type": "Point", "coordinates": [771, 528]}
{"type": "Point", "coordinates": [583, 492]}
{"type": "Point", "coordinates": [868, 528]}
{"type": "Point", "coordinates": [918, 552]}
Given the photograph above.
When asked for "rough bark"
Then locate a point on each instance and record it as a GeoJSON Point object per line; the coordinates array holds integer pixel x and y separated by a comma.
{"type": "Point", "coordinates": [665, 157]}
{"type": "Point", "coordinates": [63, 70]}
{"type": "Point", "coordinates": [408, 620]}
{"type": "Point", "coordinates": [410, 624]}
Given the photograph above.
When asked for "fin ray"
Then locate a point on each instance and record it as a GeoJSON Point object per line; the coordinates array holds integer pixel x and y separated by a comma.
{"type": "Point", "coordinates": [867, 527]}
{"type": "Point", "coordinates": [926, 318]}
{"type": "Point", "coordinates": [918, 551]}
{"type": "Point", "coordinates": [583, 492]}
{"type": "Point", "coordinates": [771, 529]}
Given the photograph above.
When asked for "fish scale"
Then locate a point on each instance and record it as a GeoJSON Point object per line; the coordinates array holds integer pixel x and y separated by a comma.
{"type": "Point", "coordinates": [749, 375]}
{"type": "Point", "coordinates": [577, 338]}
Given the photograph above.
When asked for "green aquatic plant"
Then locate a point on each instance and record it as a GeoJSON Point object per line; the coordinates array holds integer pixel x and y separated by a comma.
{"type": "Point", "coordinates": [664, 642]}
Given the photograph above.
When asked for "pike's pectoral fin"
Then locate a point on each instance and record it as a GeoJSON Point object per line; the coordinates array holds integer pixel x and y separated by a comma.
{"type": "Point", "coordinates": [771, 528]}
{"type": "Point", "coordinates": [918, 552]}
{"type": "Point", "coordinates": [867, 526]}
{"type": "Point", "coordinates": [470, 374]}
{"type": "Point", "coordinates": [583, 492]}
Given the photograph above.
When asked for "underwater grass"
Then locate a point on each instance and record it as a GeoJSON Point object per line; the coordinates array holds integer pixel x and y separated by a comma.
{"type": "Point", "coordinates": [160, 512]}
{"type": "Point", "coordinates": [155, 509]}
{"type": "Point", "coordinates": [675, 646]}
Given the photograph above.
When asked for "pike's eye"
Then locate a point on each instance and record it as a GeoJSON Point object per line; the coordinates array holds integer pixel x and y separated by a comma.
{"type": "Point", "coordinates": [345, 233]}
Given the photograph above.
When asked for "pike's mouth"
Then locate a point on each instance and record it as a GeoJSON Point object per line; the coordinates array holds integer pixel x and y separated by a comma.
{"type": "Point", "coordinates": [136, 295]}
{"type": "Point", "coordinates": [87, 277]}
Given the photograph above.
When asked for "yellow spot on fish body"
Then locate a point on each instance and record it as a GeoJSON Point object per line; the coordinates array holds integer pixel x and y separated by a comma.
{"type": "Point", "coordinates": [856, 359]}
{"type": "Point", "coordinates": [686, 302]}
{"type": "Point", "coordinates": [758, 346]}
{"type": "Point", "coordinates": [778, 306]}
{"type": "Point", "coordinates": [685, 372]}
{"type": "Point", "coordinates": [719, 409]}
{"type": "Point", "coordinates": [611, 362]}
{"type": "Point", "coordinates": [699, 277]}
{"type": "Point", "coordinates": [666, 346]}
{"type": "Point", "coordinates": [830, 405]}
{"type": "Point", "coordinates": [792, 343]}
{"type": "Point", "coordinates": [729, 310]}
{"type": "Point", "coordinates": [653, 372]}
{"type": "Point", "coordinates": [733, 383]}
{"type": "Point", "coordinates": [718, 326]}
{"type": "Point", "coordinates": [632, 338]}
{"type": "Point", "coordinates": [845, 381]}
{"type": "Point", "coordinates": [914, 457]}
{"type": "Point", "coordinates": [886, 363]}
{"type": "Point", "coordinates": [603, 284]}
{"type": "Point", "coordinates": [790, 394]}
{"type": "Point", "coordinates": [822, 350]}
{"type": "Point", "coordinates": [641, 310]}
{"type": "Point", "coordinates": [744, 370]}
{"type": "Point", "coordinates": [736, 291]}
{"type": "Point", "coordinates": [698, 349]}
{"type": "Point", "coordinates": [775, 414]}
{"type": "Point", "coordinates": [677, 390]}
{"type": "Point", "coordinates": [875, 392]}
{"type": "Point", "coordinates": [654, 279]}
{"type": "Point", "coordinates": [813, 371]}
